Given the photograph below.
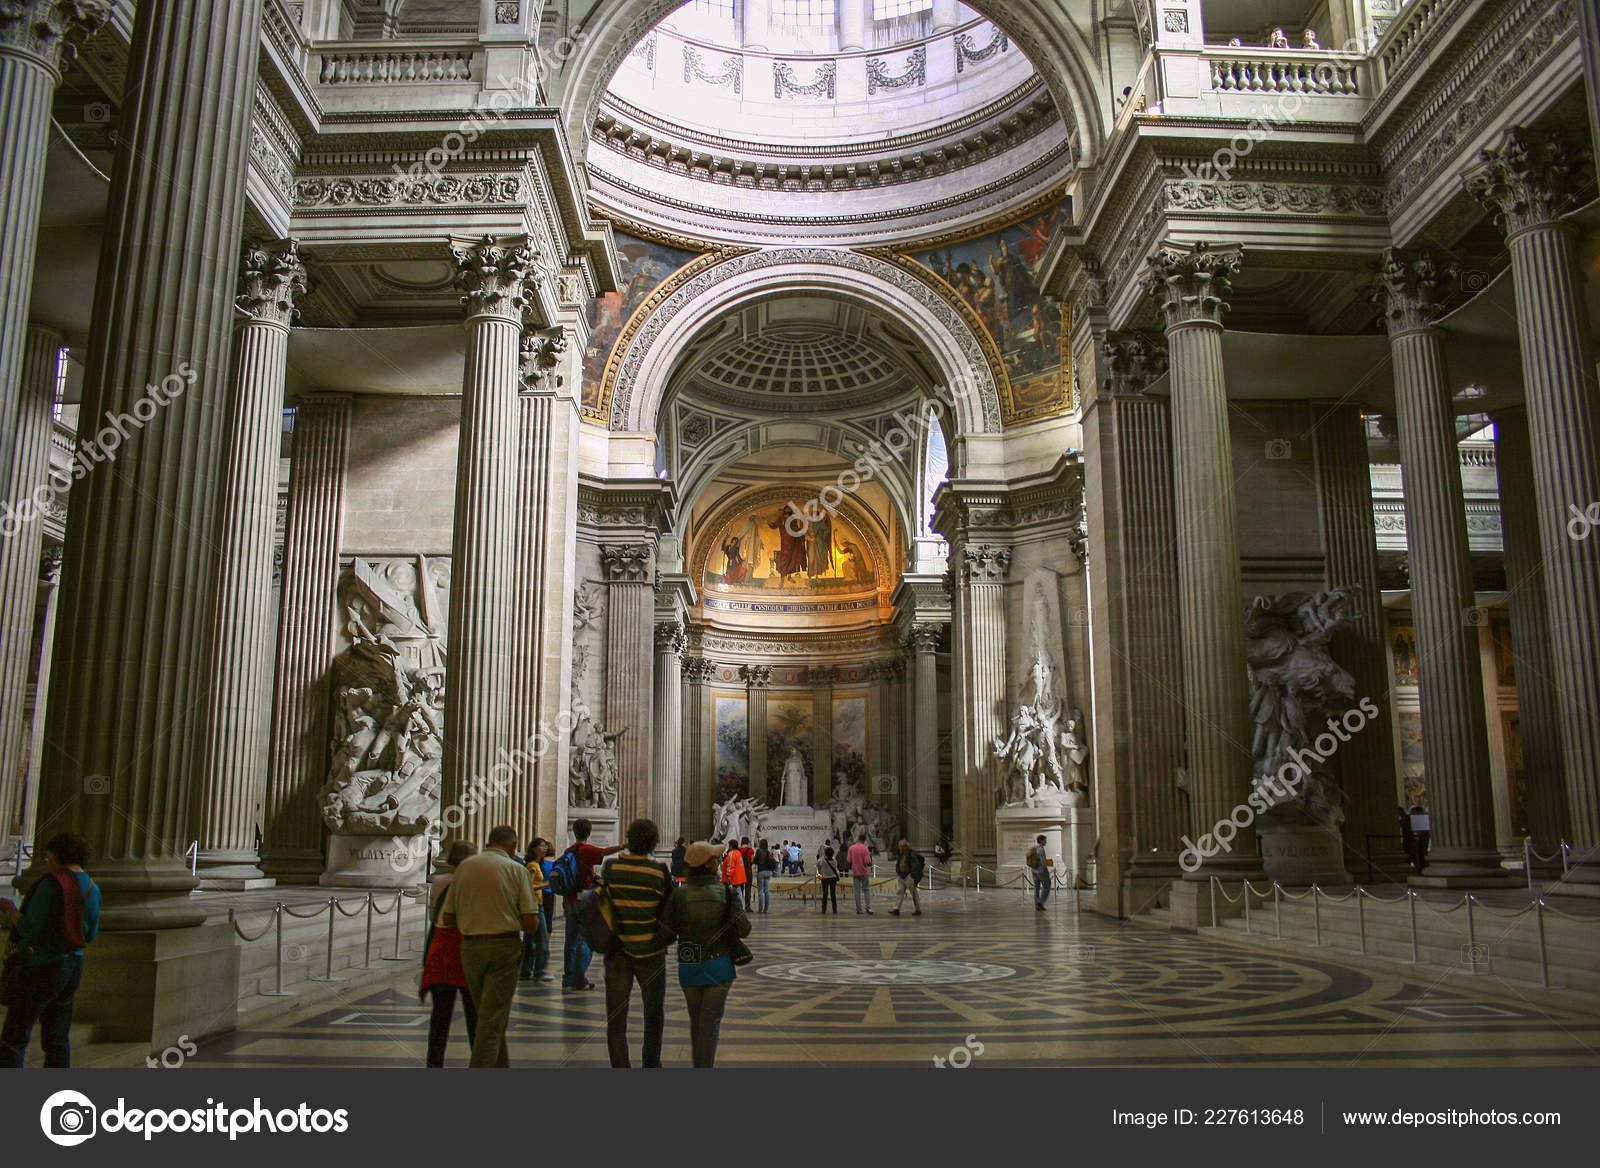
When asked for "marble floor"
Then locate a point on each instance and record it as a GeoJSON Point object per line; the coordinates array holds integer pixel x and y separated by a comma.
{"type": "Point", "coordinates": [985, 977]}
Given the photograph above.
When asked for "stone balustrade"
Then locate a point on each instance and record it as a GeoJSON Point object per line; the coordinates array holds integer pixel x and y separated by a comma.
{"type": "Point", "coordinates": [345, 65]}
{"type": "Point", "coordinates": [1310, 73]}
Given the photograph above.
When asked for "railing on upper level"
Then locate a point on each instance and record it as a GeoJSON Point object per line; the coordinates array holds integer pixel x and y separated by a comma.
{"type": "Point", "coordinates": [1307, 72]}
{"type": "Point", "coordinates": [1416, 19]}
{"type": "Point", "coordinates": [365, 63]}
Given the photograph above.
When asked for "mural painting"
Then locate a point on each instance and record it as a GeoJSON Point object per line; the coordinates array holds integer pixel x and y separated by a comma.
{"type": "Point", "coordinates": [644, 267]}
{"type": "Point", "coordinates": [730, 731]}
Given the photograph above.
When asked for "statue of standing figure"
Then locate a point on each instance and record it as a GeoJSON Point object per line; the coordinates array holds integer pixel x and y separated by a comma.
{"type": "Point", "coordinates": [796, 788]}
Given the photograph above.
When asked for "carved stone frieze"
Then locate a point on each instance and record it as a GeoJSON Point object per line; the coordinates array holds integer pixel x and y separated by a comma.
{"type": "Point", "coordinates": [437, 191]}
{"type": "Point", "coordinates": [270, 163]}
{"type": "Point", "coordinates": [1285, 197]}
{"type": "Point", "coordinates": [785, 84]}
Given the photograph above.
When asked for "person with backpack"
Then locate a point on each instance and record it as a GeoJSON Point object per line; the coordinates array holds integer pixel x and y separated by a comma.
{"type": "Point", "coordinates": [1039, 864]}
{"type": "Point", "coordinates": [636, 888]}
{"type": "Point", "coordinates": [570, 875]}
{"type": "Point", "coordinates": [708, 917]}
{"type": "Point", "coordinates": [44, 967]}
{"type": "Point", "coordinates": [766, 864]}
{"type": "Point", "coordinates": [908, 867]}
{"type": "Point", "coordinates": [749, 854]}
{"type": "Point", "coordinates": [828, 875]}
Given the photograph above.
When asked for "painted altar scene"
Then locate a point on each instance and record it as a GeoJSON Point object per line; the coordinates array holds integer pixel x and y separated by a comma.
{"type": "Point", "coordinates": [775, 547]}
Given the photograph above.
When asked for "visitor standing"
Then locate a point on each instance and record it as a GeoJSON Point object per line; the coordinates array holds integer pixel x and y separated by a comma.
{"type": "Point", "coordinates": [908, 870]}
{"type": "Point", "coordinates": [734, 873]}
{"type": "Point", "coordinates": [443, 979]}
{"type": "Point", "coordinates": [575, 950]}
{"type": "Point", "coordinates": [59, 916]}
{"type": "Point", "coordinates": [859, 857]}
{"type": "Point", "coordinates": [707, 917]}
{"type": "Point", "coordinates": [749, 854]}
{"type": "Point", "coordinates": [1039, 865]}
{"type": "Point", "coordinates": [765, 866]}
{"type": "Point", "coordinates": [536, 945]}
{"type": "Point", "coordinates": [637, 888]}
{"type": "Point", "coordinates": [797, 863]}
{"type": "Point", "coordinates": [828, 875]}
{"type": "Point", "coordinates": [679, 868]}
{"type": "Point", "coordinates": [490, 899]}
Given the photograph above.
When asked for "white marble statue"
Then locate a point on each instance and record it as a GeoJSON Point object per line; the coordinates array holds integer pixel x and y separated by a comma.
{"type": "Point", "coordinates": [1045, 747]}
{"type": "Point", "coordinates": [592, 773]}
{"type": "Point", "coordinates": [736, 818]}
{"type": "Point", "coordinates": [796, 788]}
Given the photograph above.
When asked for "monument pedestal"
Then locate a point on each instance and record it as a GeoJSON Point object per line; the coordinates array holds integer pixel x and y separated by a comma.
{"type": "Point", "coordinates": [605, 824]}
{"type": "Point", "coordinates": [806, 826]}
{"type": "Point", "coordinates": [1302, 854]}
{"type": "Point", "coordinates": [1068, 831]}
{"type": "Point", "coordinates": [158, 986]}
{"type": "Point", "coordinates": [375, 861]}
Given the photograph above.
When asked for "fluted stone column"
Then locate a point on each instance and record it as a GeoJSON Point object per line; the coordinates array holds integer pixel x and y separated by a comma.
{"type": "Point", "coordinates": [1190, 284]}
{"type": "Point", "coordinates": [1450, 675]}
{"type": "Point", "coordinates": [138, 580]}
{"type": "Point", "coordinates": [630, 571]}
{"type": "Point", "coordinates": [822, 679]}
{"type": "Point", "coordinates": [21, 540]}
{"type": "Point", "coordinates": [291, 844]}
{"type": "Point", "coordinates": [1350, 550]}
{"type": "Point", "coordinates": [699, 781]}
{"type": "Point", "coordinates": [50, 589]}
{"type": "Point", "coordinates": [38, 39]}
{"type": "Point", "coordinates": [231, 778]}
{"type": "Point", "coordinates": [979, 629]}
{"type": "Point", "coordinates": [498, 278]}
{"type": "Point", "coordinates": [1529, 180]}
{"type": "Point", "coordinates": [666, 744]}
{"type": "Point", "coordinates": [1543, 773]}
{"type": "Point", "coordinates": [756, 679]}
{"type": "Point", "coordinates": [545, 553]}
{"type": "Point", "coordinates": [921, 645]}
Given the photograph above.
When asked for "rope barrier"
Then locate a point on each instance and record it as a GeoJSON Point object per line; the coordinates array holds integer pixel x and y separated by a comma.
{"type": "Point", "coordinates": [265, 929]}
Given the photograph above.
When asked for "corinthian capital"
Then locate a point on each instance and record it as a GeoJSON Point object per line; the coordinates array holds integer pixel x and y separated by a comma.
{"type": "Point", "coordinates": [628, 563]}
{"type": "Point", "coordinates": [985, 564]}
{"type": "Point", "coordinates": [921, 638]}
{"type": "Point", "coordinates": [271, 277]}
{"type": "Point", "coordinates": [1133, 360]}
{"type": "Point", "coordinates": [1411, 289]}
{"type": "Point", "coordinates": [1190, 282]}
{"type": "Point", "coordinates": [51, 30]}
{"type": "Point", "coordinates": [756, 676]}
{"type": "Point", "coordinates": [542, 350]}
{"type": "Point", "coordinates": [499, 278]}
{"type": "Point", "coordinates": [1525, 180]}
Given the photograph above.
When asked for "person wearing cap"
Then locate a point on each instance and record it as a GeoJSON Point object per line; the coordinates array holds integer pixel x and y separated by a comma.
{"type": "Point", "coordinates": [707, 915]}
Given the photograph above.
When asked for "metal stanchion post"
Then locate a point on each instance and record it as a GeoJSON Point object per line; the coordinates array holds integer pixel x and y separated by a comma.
{"type": "Point", "coordinates": [277, 957]}
{"type": "Point", "coordinates": [1246, 897]}
{"type": "Point", "coordinates": [1213, 880]}
{"type": "Point", "coordinates": [1544, 952]}
{"type": "Point", "coordinates": [1411, 904]}
{"type": "Point", "coordinates": [1527, 860]}
{"type": "Point", "coordinates": [1277, 909]}
{"type": "Point", "coordinates": [399, 899]}
{"type": "Point", "coordinates": [1316, 915]}
{"type": "Point", "coordinates": [1361, 919]}
{"type": "Point", "coordinates": [1472, 937]}
{"type": "Point", "coordinates": [333, 919]}
{"type": "Point", "coordinates": [366, 960]}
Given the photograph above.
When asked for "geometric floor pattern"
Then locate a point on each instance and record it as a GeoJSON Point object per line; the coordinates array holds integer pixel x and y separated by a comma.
{"type": "Point", "coordinates": [983, 978]}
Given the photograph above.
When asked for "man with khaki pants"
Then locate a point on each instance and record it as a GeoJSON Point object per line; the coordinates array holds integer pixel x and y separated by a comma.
{"type": "Point", "coordinates": [491, 901]}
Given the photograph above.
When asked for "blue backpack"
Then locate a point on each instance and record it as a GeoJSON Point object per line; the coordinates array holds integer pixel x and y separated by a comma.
{"type": "Point", "coordinates": [566, 874]}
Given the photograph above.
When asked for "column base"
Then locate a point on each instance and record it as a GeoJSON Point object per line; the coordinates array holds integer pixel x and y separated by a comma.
{"type": "Point", "coordinates": [300, 866]}
{"type": "Point", "coordinates": [231, 870]}
{"type": "Point", "coordinates": [161, 986]}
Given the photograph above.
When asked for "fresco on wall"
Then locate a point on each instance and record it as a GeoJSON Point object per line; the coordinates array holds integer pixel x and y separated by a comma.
{"type": "Point", "coordinates": [730, 731]}
{"type": "Point", "coordinates": [789, 725]}
{"type": "Point", "coordinates": [1413, 776]}
{"type": "Point", "coordinates": [772, 548]}
{"type": "Point", "coordinates": [850, 740]}
{"type": "Point", "coordinates": [1405, 655]}
{"type": "Point", "coordinates": [1516, 777]}
{"type": "Point", "coordinates": [644, 266]}
{"type": "Point", "coordinates": [994, 274]}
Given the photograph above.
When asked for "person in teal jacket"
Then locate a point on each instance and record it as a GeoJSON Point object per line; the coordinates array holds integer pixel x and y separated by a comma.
{"type": "Point", "coordinates": [59, 916]}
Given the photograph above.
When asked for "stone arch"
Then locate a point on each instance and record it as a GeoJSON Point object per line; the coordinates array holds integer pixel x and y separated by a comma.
{"type": "Point", "coordinates": [638, 376]}
{"type": "Point", "coordinates": [1066, 62]}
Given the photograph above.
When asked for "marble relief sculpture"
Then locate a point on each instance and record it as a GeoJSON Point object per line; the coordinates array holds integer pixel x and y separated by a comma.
{"type": "Point", "coordinates": [1046, 746]}
{"type": "Point", "coordinates": [1296, 689]}
{"type": "Point", "coordinates": [851, 814]}
{"type": "Point", "coordinates": [592, 774]}
{"type": "Point", "coordinates": [388, 718]}
{"type": "Point", "coordinates": [736, 818]}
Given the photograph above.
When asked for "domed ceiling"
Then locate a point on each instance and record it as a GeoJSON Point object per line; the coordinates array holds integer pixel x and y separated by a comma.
{"type": "Point", "coordinates": [721, 130]}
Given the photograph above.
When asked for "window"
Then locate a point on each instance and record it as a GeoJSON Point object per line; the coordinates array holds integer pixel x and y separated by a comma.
{"type": "Point", "coordinates": [63, 365]}
{"type": "Point", "coordinates": [804, 13]}
{"type": "Point", "coordinates": [715, 9]}
{"type": "Point", "coordinates": [890, 9]}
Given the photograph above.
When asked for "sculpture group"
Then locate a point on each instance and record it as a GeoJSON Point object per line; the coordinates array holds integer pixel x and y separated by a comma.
{"type": "Point", "coordinates": [1045, 748]}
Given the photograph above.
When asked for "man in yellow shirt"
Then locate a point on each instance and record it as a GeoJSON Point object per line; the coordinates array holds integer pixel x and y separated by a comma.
{"type": "Point", "coordinates": [491, 901]}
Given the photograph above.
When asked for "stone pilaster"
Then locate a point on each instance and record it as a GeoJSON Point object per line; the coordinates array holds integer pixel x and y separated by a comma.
{"type": "Point", "coordinates": [666, 744]}
{"type": "Point", "coordinates": [1450, 676]}
{"type": "Point", "coordinates": [125, 718]}
{"type": "Point", "coordinates": [630, 571]}
{"type": "Point", "coordinates": [699, 775]}
{"type": "Point", "coordinates": [1530, 180]}
{"type": "Point", "coordinates": [979, 631]}
{"type": "Point", "coordinates": [38, 39]}
{"type": "Point", "coordinates": [21, 541]}
{"type": "Point", "coordinates": [498, 279]}
{"type": "Point", "coordinates": [291, 847]}
{"type": "Point", "coordinates": [757, 678]}
{"type": "Point", "coordinates": [1190, 284]}
{"type": "Point", "coordinates": [1350, 551]}
{"type": "Point", "coordinates": [822, 678]}
{"type": "Point", "coordinates": [1537, 699]}
{"type": "Point", "coordinates": [921, 646]}
{"type": "Point", "coordinates": [546, 554]}
{"type": "Point", "coordinates": [231, 780]}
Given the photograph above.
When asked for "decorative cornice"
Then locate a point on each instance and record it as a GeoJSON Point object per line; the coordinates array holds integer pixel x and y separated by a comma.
{"type": "Point", "coordinates": [1526, 179]}
{"type": "Point", "coordinates": [642, 507]}
{"type": "Point", "coordinates": [630, 563]}
{"type": "Point", "coordinates": [1274, 197]}
{"type": "Point", "coordinates": [51, 30]}
{"type": "Point", "coordinates": [271, 277]}
{"type": "Point", "coordinates": [1411, 288]}
{"type": "Point", "coordinates": [435, 191]}
{"type": "Point", "coordinates": [499, 278]}
{"type": "Point", "coordinates": [1190, 282]}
